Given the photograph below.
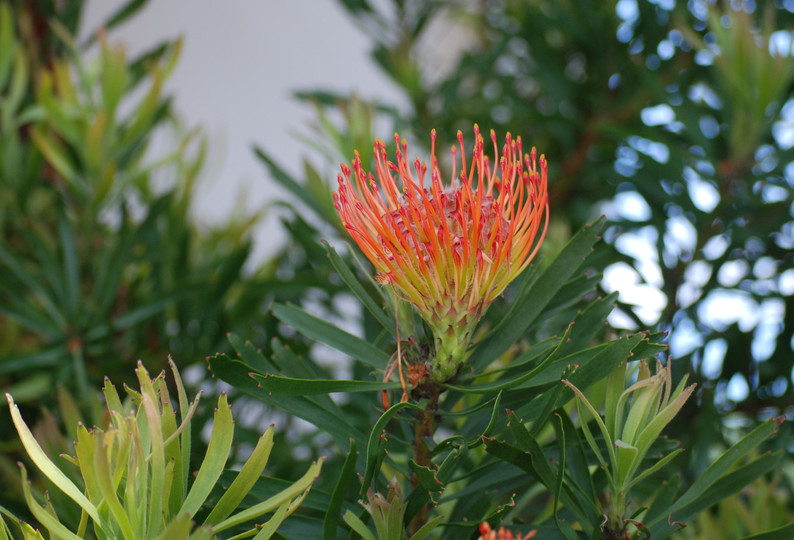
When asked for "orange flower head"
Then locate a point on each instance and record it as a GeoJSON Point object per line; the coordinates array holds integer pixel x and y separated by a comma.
{"type": "Point", "coordinates": [486, 533]}
{"type": "Point", "coordinates": [451, 249]}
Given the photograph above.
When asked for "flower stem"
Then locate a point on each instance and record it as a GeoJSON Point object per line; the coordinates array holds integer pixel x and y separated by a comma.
{"type": "Point", "coordinates": [424, 430]}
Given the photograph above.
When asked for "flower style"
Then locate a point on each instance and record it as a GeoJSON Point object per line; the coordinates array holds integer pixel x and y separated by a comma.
{"type": "Point", "coordinates": [486, 533]}
{"type": "Point", "coordinates": [449, 250]}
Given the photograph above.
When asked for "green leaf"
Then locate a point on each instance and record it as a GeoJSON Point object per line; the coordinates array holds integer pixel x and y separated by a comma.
{"type": "Point", "coordinates": [535, 462]}
{"type": "Point", "coordinates": [124, 12]}
{"type": "Point", "coordinates": [358, 526]}
{"type": "Point", "coordinates": [786, 532]}
{"type": "Point", "coordinates": [331, 420]}
{"type": "Point", "coordinates": [427, 478]}
{"type": "Point", "coordinates": [655, 467]}
{"type": "Point", "coordinates": [114, 77]}
{"type": "Point", "coordinates": [157, 460]}
{"type": "Point", "coordinates": [39, 292]}
{"type": "Point", "coordinates": [70, 264]}
{"type": "Point", "coordinates": [245, 480]}
{"type": "Point", "coordinates": [85, 449]}
{"type": "Point", "coordinates": [327, 333]}
{"type": "Point", "coordinates": [560, 469]}
{"type": "Point", "coordinates": [298, 487]}
{"type": "Point", "coordinates": [49, 468]}
{"type": "Point", "coordinates": [286, 386]}
{"type": "Point", "coordinates": [56, 528]}
{"type": "Point", "coordinates": [520, 378]}
{"type": "Point", "coordinates": [666, 490]}
{"type": "Point", "coordinates": [214, 460]}
{"type": "Point", "coordinates": [654, 428]}
{"type": "Point", "coordinates": [332, 514]}
{"type": "Point", "coordinates": [141, 313]}
{"type": "Point", "coordinates": [250, 355]}
{"type": "Point", "coordinates": [578, 333]}
{"type": "Point", "coordinates": [374, 438]}
{"type": "Point", "coordinates": [491, 423]}
{"type": "Point", "coordinates": [583, 404]}
{"type": "Point", "coordinates": [725, 486]}
{"type": "Point", "coordinates": [178, 528]}
{"type": "Point", "coordinates": [283, 512]}
{"type": "Point", "coordinates": [55, 154]}
{"type": "Point", "coordinates": [427, 528]}
{"type": "Point", "coordinates": [577, 467]}
{"type": "Point", "coordinates": [8, 43]}
{"type": "Point", "coordinates": [386, 320]}
{"type": "Point", "coordinates": [615, 385]}
{"type": "Point", "coordinates": [601, 364]}
{"type": "Point", "coordinates": [723, 464]}
{"type": "Point", "coordinates": [182, 466]}
{"type": "Point", "coordinates": [287, 182]}
{"type": "Point", "coordinates": [108, 488]}
{"type": "Point", "coordinates": [45, 357]}
{"type": "Point", "coordinates": [522, 314]}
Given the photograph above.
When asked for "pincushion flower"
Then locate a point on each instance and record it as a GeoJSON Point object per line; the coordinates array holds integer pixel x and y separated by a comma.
{"type": "Point", "coordinates": [486, 533]}
{"type": "Point", "coordinates": [448, 249]}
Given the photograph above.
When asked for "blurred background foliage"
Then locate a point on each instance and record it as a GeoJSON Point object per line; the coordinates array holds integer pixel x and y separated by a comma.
{"type": "Point", "coordinates": [101, 262]}
{"type": "Point", "coordinates": [672, 118]}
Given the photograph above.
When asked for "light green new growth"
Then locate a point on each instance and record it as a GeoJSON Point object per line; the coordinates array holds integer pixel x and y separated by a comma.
{"type": "Point", "coordinates": [629, 434]}
{"type": "Point", "coordinates": [135, 472]}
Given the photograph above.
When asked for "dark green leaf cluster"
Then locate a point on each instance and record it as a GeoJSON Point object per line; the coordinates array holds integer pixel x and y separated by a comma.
{"type": "Point", "coordinates": [502, 441]}
{"type": "Point", "coordinates": [673, 116]}
{"type": "Point", "coordinates": [101, 263]}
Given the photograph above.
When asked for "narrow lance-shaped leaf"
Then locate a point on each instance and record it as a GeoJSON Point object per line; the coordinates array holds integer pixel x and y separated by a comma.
{"type": "Point", "coordinates": [283, 512]}
{"type": "Point", "coordinates": [49, 468]}
{"type": "Point", "coordinates": [107, 486]}
{"type": "Point", "coordinates": [623, 400]}
{"type": "Point", "coordinates": [56, 528]}
{"type": "Point", "coordinates": [85, 449]}
{"type": "Point", "coordinates": [521, 316]}
{"type": "Point", "coordinates": [327, 333]}
{"type": "Point", "coordinates": [374, 437]}
{"type": "Point", "coordinates": [214, 460]}
{"type": "Point", "coordinates": [643, 401]}
{"type": "Point", "coordinates": [182, 467]}
{"type": "Point", "coordinates": [583, 404]}
{"type": "Point", "coordinates": [287, 386]}
{"type": "Point", "coordinates": [653, 468]}
{"type": "Point", "coordinates": [299, 486]}
{"type": "Point", "coordinates": [157, 461]}
{"type": "Point", "coordinates": [725, 462]}
{"type": "Point", "coordinates": [665, 416]}
{"type": "Point", "coordinates": [386, 321]}
{"type": "Point", "coordinates": [334, 511]}
{"type": "Point", "coordinates": [615, 385]}
{"type": "Point", "coordinates": [245, 480]}
{"type": "Point", "coordinates": [358, 526]}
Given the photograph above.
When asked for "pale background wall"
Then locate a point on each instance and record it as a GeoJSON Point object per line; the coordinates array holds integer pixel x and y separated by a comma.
{"type": "Point", "coordinates": [240, 63]}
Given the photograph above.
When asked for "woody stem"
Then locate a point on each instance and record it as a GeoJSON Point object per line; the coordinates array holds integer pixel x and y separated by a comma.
{"type": "Point", "coordinates": [424, 430]}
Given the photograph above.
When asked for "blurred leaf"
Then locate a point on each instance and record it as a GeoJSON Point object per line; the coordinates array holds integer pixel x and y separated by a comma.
{"type": "Point", "coordinates": [375, 453]}
{"type": "Point", "coordinates": [386, 320]}
{"type": "Point", "coordinates": [334, 422]}
{"type": "Point", "coordinates": [522, 314]}
{"type": "Point", "coordinates": [782, 533]}
{"type": "Point", "coordinates": [334, 509]}
{"type": "Point", "coordinates": [286, 386]}
{"type": "Point", "coordinates": [331, 335]}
